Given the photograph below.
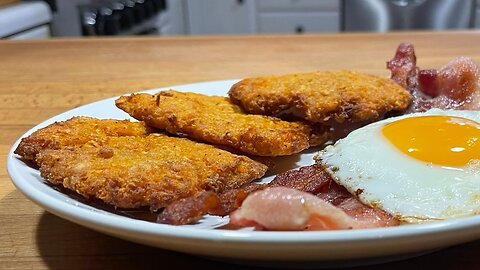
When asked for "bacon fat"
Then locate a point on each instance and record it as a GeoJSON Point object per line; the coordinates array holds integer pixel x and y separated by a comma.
{"type": "Point", "coordinates": [454, 86]}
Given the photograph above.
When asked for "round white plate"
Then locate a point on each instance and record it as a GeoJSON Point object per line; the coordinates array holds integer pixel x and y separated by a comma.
{"type": "Point", "coordinates": [238, 245]}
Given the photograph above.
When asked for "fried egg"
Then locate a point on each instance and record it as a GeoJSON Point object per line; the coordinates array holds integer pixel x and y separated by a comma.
{"type": "Point", "coordinates": [418, 167]}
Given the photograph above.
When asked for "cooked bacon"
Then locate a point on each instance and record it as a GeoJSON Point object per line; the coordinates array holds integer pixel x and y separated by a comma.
{"type": "Point", "coordinates": [427, 81]}
{"type": "Point", "coordinates": [311, 179]}
{"type": "Point", "coordinates": [191, 209]}
{"type": "Point", "coordinates": [232, 199]}
{"type": "Point", "coordinates": [454, 86]}
{"type": "Point", "coordinates": [315, 180]}
{"type": "Point", "coordinates": [404, 65]}
{"type": "Point", "coordinates": [365, 215]}
{"type": "Point", "coordinates": [283, 210]}
{"type": "Point", "coordinates": [459, 83]}
{"type": "Point", "coordinates": [328, 190]}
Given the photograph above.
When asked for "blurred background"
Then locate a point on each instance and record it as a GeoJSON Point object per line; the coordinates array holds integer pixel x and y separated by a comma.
{"type": "Point", "coordinates": [77, 18]}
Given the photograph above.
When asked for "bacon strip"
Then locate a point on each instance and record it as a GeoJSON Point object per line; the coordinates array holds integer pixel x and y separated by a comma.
{"type": "Point", "coordinates": [191, 209]}
{"type": "Point", "coordinates": [454, 86]}
{"type": "Point", "coordinates": [316, 181]}
{"type": "Point", "coordinates": [458, 84]}
{"type": "Point", "coordinates": [310, 179]}
{"type": "Point", "coordinates": [281, 208]}
{"type": "Point", "coordinates": [404, 65]}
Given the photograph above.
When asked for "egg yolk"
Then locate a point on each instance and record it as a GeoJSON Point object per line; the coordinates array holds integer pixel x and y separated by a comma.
{"type": "Point", "coordinates": [442, 140]}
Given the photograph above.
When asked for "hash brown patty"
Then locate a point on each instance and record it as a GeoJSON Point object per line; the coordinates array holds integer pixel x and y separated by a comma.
{"type": "Point", "coordinates": [76, 131]}
{"type": "Point", "coordinates": [319, 97]}
{"type": "Point", "coordinates": [153, 170]}
{"type": "Point", "coordinates": [216, 120]}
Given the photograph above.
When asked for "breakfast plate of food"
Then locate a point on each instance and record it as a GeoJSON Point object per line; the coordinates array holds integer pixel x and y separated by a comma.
{"type": "Point", "coordinates": [325, 166]}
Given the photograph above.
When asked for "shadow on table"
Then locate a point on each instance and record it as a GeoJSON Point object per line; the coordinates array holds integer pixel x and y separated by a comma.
{"type": "Point", "coordinates": [63, 244]}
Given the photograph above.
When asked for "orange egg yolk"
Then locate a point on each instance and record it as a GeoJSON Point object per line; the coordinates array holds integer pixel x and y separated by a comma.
{"type": "Point", "coordinates": [442, 140]}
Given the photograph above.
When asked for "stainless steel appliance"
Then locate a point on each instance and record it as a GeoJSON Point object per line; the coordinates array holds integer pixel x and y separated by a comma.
{"type": "Point", "coordinates": [107, 17]}
{"type": "Point", "coordinates": [121, 17]}
{"type": "Point", "coordinates": [387, 15]}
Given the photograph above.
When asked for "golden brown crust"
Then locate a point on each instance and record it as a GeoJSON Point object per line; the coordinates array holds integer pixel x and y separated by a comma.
{"type": "Point", "coordinates": [216, 120]}
{"type": "Point", "coordinates": [322, 96]}
{"type": "Point", "coordinates": [76, 131]}
{"type": "Point", "coordinates": [153, 170]}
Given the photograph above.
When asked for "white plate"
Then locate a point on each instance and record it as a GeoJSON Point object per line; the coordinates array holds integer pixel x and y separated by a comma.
{"type": "Point", "coordinates": [243, 245]}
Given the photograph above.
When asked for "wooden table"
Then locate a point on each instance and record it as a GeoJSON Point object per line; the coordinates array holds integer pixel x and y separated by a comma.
{"type": "Point", "coordinates": [39, 79]}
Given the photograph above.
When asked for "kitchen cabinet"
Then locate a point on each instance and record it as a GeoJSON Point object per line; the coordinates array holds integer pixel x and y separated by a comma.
{"type": "Point", "coordinates": [298, 16]}
{"type": "Point", "coordinates": [261, 16]}
{"type": "Point", "coordinates": [221, 16]}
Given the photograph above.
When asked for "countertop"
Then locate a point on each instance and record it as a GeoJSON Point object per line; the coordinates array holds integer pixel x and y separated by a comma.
{"type": "Point", "coordinates": [40, 79]}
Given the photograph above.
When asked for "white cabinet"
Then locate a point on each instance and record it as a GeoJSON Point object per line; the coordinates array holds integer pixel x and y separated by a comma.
{"type": "Point", "coordinates": [297, 23]}
{"type": "Point", "coordinates": [221, 16]}
{"type": "Point", "coordinates": [290, 16]}
{"type": "Point", "coordinates": [260, 16]}
{"type": "Point", "coordinates": [298, 5]}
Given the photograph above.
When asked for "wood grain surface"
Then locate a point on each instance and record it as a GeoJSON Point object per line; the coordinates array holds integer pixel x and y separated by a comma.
{"type": "Point", "coordinates": [40, 79]}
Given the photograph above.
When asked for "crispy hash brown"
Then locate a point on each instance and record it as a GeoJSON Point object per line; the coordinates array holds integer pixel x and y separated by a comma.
{"type": "Point", "coordinates": [216, 120]}
{"type": "Point", "coordinates": [77, 131]}
{"type": "Point", "coordinates": [153, 170]}
{"type": "Point", "coordinates": [321, 96]}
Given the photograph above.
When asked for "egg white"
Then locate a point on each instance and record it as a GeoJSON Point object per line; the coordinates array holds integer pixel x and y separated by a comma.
{"type": "Point", "coordinates": [381, 176]}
